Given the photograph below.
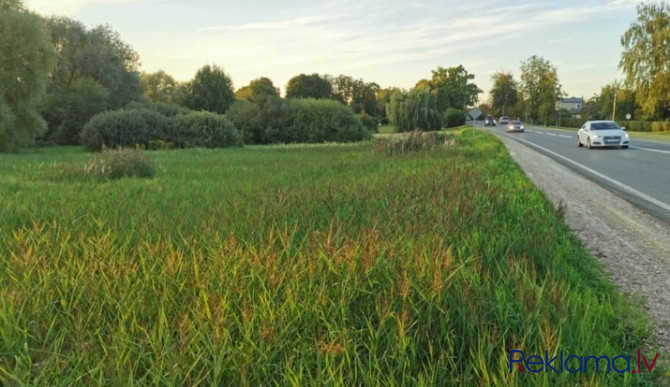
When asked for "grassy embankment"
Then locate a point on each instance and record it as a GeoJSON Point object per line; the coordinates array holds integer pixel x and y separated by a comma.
{"type": "Point", "coordinates": [325, 264]}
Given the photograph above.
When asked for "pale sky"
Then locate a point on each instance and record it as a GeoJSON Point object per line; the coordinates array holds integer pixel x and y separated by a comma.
{"type": "Point", "coordinates": [392, 43]}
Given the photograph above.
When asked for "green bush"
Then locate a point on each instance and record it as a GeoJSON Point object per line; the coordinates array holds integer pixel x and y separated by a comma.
{"type": "Point", "coordinates": [634, 126]}
{"type": "Point", "coordinates": [453, 118]}
{"type": "Point", "coordinates": [570, 122]}
{"type": "Point", "coordinates": [205, 129]}
{"type": "Point", "coordinates": [166, 109]}
{"type": "Point", "coordinates": [118, 163]}
{"type": "Point", "coordinates": [369, 122]}
{"type": "Point", "coordinates": [247, 118]}
{"type": "Point", "coordinates": [657, 126]}
{"type": "Point", "coordinates": [125, 128]}
{"type": "Point", "coordinates": [159, 145]}
{"type": "Point", "coordinates": [321, 120]}
{"type": "Point", "coordinates": [279, 127]}
{"type": "Point", "coordinates": [68, 107]}
{"type": "Point", "coordinates": [413, 142]}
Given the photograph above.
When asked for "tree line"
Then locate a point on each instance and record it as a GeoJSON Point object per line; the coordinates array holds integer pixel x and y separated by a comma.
{"type": "Point", "coordinates": [56, 74]}
{"type": "Point", "coordinates": [644, 93]}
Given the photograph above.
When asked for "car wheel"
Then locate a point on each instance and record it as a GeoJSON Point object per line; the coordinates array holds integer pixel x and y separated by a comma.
{"type": "Point", "coordinates": [579, 143]}
{"type": "Point", "coordinates": [588, 143]}
{"type": "Point", "coordinates": [624, 147]}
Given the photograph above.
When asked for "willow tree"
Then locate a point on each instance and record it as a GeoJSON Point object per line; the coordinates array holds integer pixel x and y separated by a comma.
{"type": "Point", "coordinates": [414, 110]}
{"type": "Point", "coordinates": [25, 60]}
{"type": "Point", "coordinates": [645, 59]}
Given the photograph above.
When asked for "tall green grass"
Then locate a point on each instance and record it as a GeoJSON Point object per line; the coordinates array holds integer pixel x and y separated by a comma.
{"type": "Point", "coordinates": [295, 265]}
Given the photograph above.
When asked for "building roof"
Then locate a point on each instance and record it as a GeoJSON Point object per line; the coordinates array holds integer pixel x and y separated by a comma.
{"type": "Point", "coordinates": [572, 100]}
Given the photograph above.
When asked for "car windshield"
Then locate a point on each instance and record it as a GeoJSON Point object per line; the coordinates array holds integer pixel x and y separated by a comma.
{"type": "Point", "coordinates": [515, 123]}
{"type": "Point", "coordinates": [604, 126]}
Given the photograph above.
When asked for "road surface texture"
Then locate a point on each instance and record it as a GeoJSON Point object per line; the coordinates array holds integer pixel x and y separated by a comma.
{"type": "Point", "coordinates": [633, 245]}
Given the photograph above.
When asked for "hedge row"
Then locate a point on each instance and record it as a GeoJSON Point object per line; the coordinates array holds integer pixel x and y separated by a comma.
{"type": "Point", "coordinates": [633, 126]}
{"type": "Point", "coordinates": [131, 127]}
{"type": "Point", "coordinates": [275, 120]}
{"type": "Point", "coordinates": [271, 120]}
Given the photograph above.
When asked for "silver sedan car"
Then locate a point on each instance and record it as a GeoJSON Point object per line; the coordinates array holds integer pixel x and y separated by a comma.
{"type": "Point", "coordinates": [602, 134]}
{"type": "Point", "coordinates": [515, 126]}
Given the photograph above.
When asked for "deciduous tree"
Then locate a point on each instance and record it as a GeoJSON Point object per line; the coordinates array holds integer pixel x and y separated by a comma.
{"type": "Point", "coordinates": [257, 89]}
{"type": "Point", "coordinates": [309, 86]}
{"type": "Point", "coordinates": [645, 59]}
{"type": "Point", "coordinates": [539, 87]}
{"type": "Point", "coordinates": [504, 93]}
{"type": "Point", "coordinates": [453, 88]}
{"type": "Point", "coordinates": [604, 103]}
{"type": "Point", "coordinates": [356, 93]}
{"type": "Point", "coordinates": [414, 110]}
{"type": "Point", "coordinates": [383, 99]}
{"type": "Point", "coordinates": [211, 89]}
{"type": "Point", "coordinates": [94, 62]}
{"type": "Point", "coordinates": [25, 61]}
{"type": "Point", "coordinates": [159, 86]}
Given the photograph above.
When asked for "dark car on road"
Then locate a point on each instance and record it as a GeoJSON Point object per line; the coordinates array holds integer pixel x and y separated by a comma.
{"type": "Point", "coordinates": [490, 121]}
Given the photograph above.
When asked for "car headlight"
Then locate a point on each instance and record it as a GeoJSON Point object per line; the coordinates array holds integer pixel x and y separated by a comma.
{"type": "Point", "coordinates": [594, 137]}
{"type": "Point", "coordinates": [521, 127]}
{"type": "Point", "coordinates": [625, 135]}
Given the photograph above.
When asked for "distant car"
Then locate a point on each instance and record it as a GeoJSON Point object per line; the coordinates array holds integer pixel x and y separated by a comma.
{"type": "Point", "coordinates": [515, 126]}
{"type": "Point", "coordinates": [490, 121]}
{"type": "Point", "coordinates": [602, 134]}
{"type": "Point", "coordinates": [504, 120]}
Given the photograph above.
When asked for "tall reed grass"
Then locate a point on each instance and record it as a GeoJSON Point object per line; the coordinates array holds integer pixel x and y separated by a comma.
{"type": "Point", "coordinates": [292, 265]}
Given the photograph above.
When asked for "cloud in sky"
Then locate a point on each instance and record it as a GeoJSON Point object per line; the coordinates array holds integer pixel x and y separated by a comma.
{"type": "Point", "coordinates": [391, 43]}
{"type": "Point", "coordinates": [66, 7]}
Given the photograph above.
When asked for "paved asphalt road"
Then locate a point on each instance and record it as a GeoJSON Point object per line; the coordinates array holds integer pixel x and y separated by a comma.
{"type": "Point", "coordinates": [640, 174]}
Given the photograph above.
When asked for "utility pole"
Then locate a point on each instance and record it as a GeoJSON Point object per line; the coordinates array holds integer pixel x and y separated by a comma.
{"type": "Point", "coordinates": [616, 89]}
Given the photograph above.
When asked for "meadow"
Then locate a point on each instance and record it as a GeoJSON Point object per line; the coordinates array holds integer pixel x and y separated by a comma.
{"type": "Point", "coordinates": [298, 265]}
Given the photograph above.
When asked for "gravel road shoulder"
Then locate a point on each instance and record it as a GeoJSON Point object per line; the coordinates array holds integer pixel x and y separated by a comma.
{"type": "Point", "coordinates": [633, 245]}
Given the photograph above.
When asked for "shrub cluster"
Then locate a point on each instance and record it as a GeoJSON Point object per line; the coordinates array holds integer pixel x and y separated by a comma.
{"type": "Point", "coordinates": [144, 125]}
{"type": "Point", "coordinates": [269, 120]}
{"type": "Point", "coordinates": [413, 142]}
{"type": "Point", "coordinates": [125, 128]}
{"type": "Point", "coordinates": [321, 120]}
{"type": "Point", "coordinates": [274, 120]}
{"type": "Point", "coordinates": [369, 122]}
{"type": "Point", "coordinates": [166, 109]}
{"type": "Point", "coordinates": [633, 126]}
{"type": "Point", "coordinates": [118, 163]}
{"type": "Point", "coordinates": [453, 118]}
{"type": "Point", "coordinates": [204, 129]}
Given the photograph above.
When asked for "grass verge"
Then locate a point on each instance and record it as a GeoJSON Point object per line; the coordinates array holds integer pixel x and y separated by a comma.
{"type": "Point", "coordinates": [298, 265]}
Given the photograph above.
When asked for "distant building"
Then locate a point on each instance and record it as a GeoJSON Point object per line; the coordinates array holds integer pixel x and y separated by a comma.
{"type": "Point", "coordinates": [572, 104]}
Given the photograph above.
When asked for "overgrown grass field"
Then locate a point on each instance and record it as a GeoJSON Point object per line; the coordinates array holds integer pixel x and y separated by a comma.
{"type": "Point", "coordinates": [297, 265]}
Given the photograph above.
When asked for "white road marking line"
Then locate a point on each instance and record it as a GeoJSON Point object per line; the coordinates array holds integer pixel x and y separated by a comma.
{"type": "Point", "coordinates": [651, 150]}
{"type": "Point", "coordinates": [550, 134]}
{"type": "Point", "coordinates": [563, 136]}
{"type": "Point", "coordinates": [622, 186]}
